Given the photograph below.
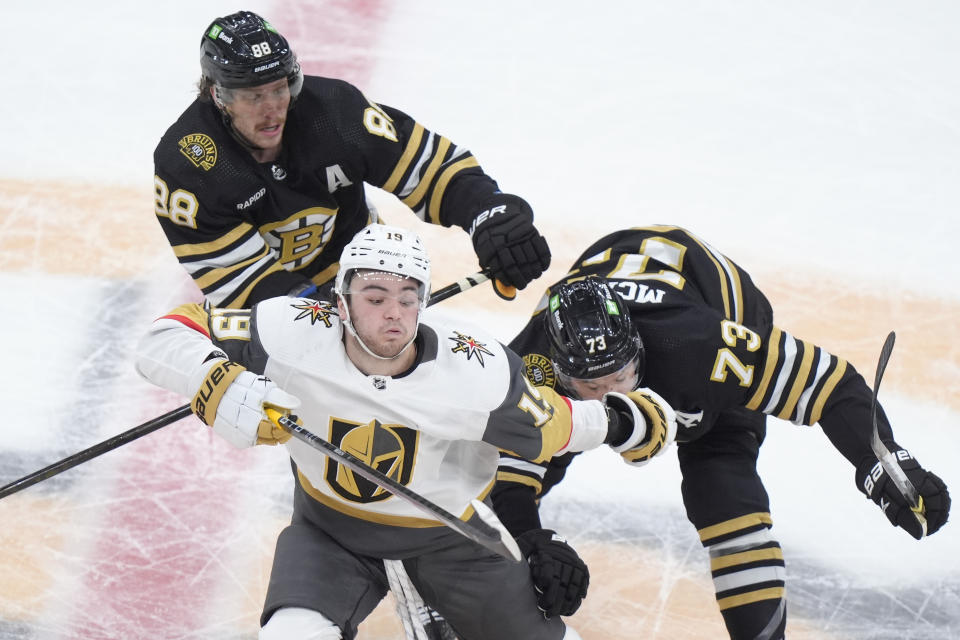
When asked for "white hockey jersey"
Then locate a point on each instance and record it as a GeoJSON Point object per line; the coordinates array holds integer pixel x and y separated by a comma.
{"type": "Point", "coordinates": [436, 429]}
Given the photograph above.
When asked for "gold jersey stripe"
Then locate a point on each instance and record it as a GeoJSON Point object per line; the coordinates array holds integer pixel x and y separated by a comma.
{"type": "Point", "coordinates": [408, 153]}
{"type": "Point", "coordinates": [773, 354]}
{"type": "Point", "coordinates": [730, 526]}
{"type": "Point", "coordinates": [324, 276]}
{"type": "Point", "coordinates": [191, 311]}
{"type": "Point", "coordinates": [433, 210]}
{"type": "Point", "coordinates": [507, 476]}
{"type": "Point", "coordinates": [184, 250]}
{"type": "Point", "coordinates": [382, 518]}
{"type": "Point", "coordinates": [773, 593]}
{"type": "Point", "coordinates": [413, 200]}
{"type": "Point", "coordinates": [828, 388]}
{"type": "Point", "coordinates": [241, 301]}
{"type": "Point", "coordinates": [799, 381]}
{"type": "Point", "coordinates": [745, 557]}
{"type": "Point", "coordinates": [555, 432]}
{"type": "Point", "coordinates": [725, 285]}
{"type": "Point", "coordinates": [303, 213]}
{"type": "Point", "coordinates": [219, 273]}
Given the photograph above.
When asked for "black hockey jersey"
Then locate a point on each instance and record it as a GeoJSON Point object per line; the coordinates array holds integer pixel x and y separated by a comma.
{"type": "Point", "coordinates": [711, 346]}
{"type": "Point", "coordinates": [246, 231]}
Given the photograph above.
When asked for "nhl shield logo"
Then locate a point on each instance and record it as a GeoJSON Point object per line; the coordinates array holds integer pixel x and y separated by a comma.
{"type": "Point", "coordinates": [200, 149]}
{"type": "Point", "coordinates": [389, 448]}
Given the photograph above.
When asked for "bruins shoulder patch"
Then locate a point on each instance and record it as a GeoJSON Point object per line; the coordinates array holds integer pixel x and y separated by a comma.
{"type": "Point", "coordinates": [539, 370]}
{"type": "Point", "coordinates": [200, 149]}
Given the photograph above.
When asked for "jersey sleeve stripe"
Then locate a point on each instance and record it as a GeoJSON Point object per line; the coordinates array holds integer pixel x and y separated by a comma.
{"type": "Point", "coordinates": [803, 406]}
{"type": "Point", "coordinates": [726, 285]}
{"type": "Point", "coordinates": [799, 380]}
{"type": "Point", "coordinates": [784, 367]}
{"type": "Point", "coordinates": [828, 387]}
{"type": "Point", "coordinates": [230, 237]}
{"type": "Point", "coordinates": [413, 145]}
{"type": "Point", "coordinates": [238, 299]}
{"type": "Point", "coordinates": [508, 476]}
{"type": "Point", "coordinates": [211, 276]}
{"type": "Point", "coordinates": [188, 321]}
{"type": "Point", "coordinates": [226, 257]}
{"type": "Point", "coordinates": [436, 198]}
{"type": "Point", "coordinates": [773, 353]}
{"type": "Point", "coordinates": [416, 197]}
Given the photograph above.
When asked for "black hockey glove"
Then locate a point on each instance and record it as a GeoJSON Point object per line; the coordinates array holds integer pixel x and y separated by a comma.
{"type": "Point", "coordinates": [559, 575]}
{"type": "Point", "coordinates": [873, 481]}
{"type": "Point", "coordinates": [507, 243]}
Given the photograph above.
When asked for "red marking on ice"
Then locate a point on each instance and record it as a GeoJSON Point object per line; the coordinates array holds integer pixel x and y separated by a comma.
{"type": "Point", "coordinates": [178, 498]}
{"type": "Point", "coordinates": [334, 38]}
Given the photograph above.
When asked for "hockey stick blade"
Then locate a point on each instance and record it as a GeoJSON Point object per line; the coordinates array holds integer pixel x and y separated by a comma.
{"type": "Point", "coordinates": [481, 532]}
{"type": "Point", "coordinates": [887, 461]}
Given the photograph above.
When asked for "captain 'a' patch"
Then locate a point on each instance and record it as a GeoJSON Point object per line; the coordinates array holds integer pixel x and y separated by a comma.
{"type": "Point", "coordinates": [391, 449]}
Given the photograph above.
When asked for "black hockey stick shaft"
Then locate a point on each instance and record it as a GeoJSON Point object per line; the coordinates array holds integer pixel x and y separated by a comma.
{"type": "Point", "coordinates": [179, 413]}
{"type": "Point", "coordinates": [480, 532]}
{"type": "Point", "coordinates": [96, 450]}
{"type": "Point", "coordinates": [887, 461]}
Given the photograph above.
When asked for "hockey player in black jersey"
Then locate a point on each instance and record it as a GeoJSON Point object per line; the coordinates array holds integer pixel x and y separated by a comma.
{"type": "Point", "coordinates": [661, 307]}
{"type": "Point", "coordinates": [260, 183]}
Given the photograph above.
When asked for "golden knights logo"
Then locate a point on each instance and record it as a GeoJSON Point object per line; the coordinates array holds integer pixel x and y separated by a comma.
{"type": "Point", "coordinates": [466, 344]}
{"type": "Point", "coordinates": [539, 370]}
{"type": "Point", "coordinates": [199, 149]}
{"type": "Point", "coordinates": [317, 311]}
{"type": "Point", "coordinates": [391, 449]}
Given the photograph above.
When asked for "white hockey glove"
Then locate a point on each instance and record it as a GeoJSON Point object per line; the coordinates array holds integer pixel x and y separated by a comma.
{"type": "Point", "coordinates": [231, 400]}
{"type": "Point", "coordinates": [654, 424]}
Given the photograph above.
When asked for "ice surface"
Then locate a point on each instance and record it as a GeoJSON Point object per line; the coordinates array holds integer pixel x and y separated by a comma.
{"type": "Point", "coordinates": [818, 144]}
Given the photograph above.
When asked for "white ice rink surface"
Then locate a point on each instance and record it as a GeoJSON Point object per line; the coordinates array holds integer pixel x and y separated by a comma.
{"type": "Point", "coordinates": [816, 143]}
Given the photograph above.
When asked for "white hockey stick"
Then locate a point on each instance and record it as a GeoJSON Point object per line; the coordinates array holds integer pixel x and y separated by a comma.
{"type": "Point", "coordinates": [887, 461]}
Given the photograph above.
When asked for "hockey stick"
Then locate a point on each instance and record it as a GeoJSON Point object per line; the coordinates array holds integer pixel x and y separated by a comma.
{"type": "Point", "coordinates": [420, 622]}
{"type": "Point", "coordinates": [482, 532]}
{"type": "Point", "coordinates": [181, 412]}
{"type": "Point", "coordinates": [887, 461]}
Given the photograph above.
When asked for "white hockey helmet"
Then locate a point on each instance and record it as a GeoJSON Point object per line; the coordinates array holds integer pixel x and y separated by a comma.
{"type": "Point", "coordinates": [381, 247]}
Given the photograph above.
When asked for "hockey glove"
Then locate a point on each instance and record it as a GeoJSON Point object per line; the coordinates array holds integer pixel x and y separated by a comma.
{"type": "Point", "coordinates": [559, 575]}
{"type": "Point", "coordinates": [652, 420]}
{"type": "Point", "coordinates": [874, 482]}
{"type": "Point", "coordinates": [231, 400]}
{"type": "Point", "coordinates": [507, 243]}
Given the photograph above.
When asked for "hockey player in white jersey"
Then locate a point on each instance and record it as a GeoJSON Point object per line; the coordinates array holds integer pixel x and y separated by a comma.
{"type": "Point", "coordinates": [425, 403]}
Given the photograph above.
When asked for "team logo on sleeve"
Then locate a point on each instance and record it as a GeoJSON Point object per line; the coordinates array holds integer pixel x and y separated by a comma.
{"type": "Point", "coordinates": [539, 370]}
{"type": "Point", "coordinates": [466, 344]}
{"type": "Point", "coordinates": [200, 149]}
{"type": "Point", "coordinates": [391, 449]}
{"type": "Point", "coordinates": [317, 311]}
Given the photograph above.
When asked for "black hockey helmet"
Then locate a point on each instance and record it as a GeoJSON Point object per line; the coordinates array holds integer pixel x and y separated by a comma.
{"type": "Point", "coordinates": [590, 331]}
{"type": "Point", "coordinates": [244, 50]}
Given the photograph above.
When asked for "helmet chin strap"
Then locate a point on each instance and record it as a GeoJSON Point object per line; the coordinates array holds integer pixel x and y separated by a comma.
{"type": "Point", "coordinates": [348, 323]}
